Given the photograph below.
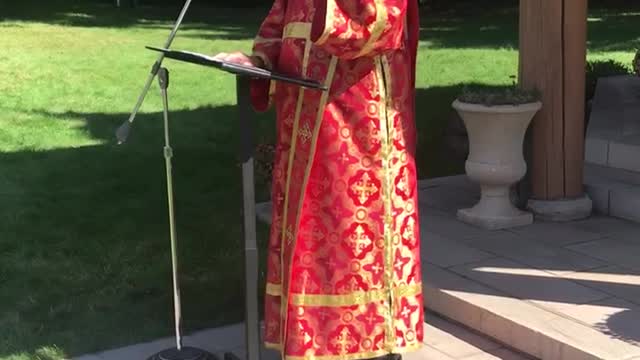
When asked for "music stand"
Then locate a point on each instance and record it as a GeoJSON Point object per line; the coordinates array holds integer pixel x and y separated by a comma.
{"type": "Point", "coordinates": [243, 75]}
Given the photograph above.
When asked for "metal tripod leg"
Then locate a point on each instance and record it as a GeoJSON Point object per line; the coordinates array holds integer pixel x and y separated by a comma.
{"type": "Point", "coordinates": [123, 131]}
{"type": "Point", "coordinates": [252, 324]}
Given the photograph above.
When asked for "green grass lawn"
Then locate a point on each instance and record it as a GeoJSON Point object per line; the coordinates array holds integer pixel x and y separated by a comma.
{"type": "Point", "coordinates": [84, 249]}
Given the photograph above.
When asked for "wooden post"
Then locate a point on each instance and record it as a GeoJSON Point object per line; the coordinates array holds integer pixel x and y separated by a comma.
{"type": "Point", "coordinates": [552, 59]}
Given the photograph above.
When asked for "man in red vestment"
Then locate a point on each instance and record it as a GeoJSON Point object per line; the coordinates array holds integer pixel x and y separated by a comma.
{"type": "Point", "coordinates": [344, 277]}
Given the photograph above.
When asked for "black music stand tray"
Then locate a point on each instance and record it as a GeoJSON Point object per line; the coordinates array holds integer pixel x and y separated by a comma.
{"type": "Point", "coordinates": [243, 75]}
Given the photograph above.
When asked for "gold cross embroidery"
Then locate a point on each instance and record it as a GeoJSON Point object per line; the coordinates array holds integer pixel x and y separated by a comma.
{"type": "Point", "coordinates": [408, 230]}
{"type": "Point", "coordinates": [364, 188]}
{"type": "Point", "coordinates": [360, 240]}
{"type": "Point", "coordinates": [403, 184]}
{"type": "Point", "coordinates": [343, 340]}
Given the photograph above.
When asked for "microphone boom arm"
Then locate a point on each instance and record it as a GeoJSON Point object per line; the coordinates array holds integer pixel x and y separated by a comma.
{"type": "Point", "coordinates": [123, 131]}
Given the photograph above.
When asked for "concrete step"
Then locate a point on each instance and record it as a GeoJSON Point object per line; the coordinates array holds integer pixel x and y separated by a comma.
{"type": "Point", "coordinates": [615, 192]}
{"type": "Point", "coordinates": [520, 324]}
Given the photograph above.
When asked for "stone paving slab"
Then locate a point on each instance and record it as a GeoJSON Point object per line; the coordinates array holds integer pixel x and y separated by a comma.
{"type": "Point", "coordinates": [606, 226]}
{"type": "Point", "coordinates": [445, 341]}
{"type": "Point", "coordinates": [446, 253]}
{"type": "Point", "coordinates": [531, 252]}
{"type": "Point", "coordinates": [556, 234]}
{"type": "Point", "coordinates": [614, 280]}
{"type": "Point", "coordinates": [621, 251]}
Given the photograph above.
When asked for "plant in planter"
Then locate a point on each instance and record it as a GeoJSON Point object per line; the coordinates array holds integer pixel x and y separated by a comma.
{"type": "Point", "coordinates": [496, 122]}
{"type": "Point", "coordinates": [636, 63]}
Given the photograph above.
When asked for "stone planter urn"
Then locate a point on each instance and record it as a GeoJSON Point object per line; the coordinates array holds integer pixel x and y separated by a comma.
{"type": "Point", "coordinates": [496, 161]}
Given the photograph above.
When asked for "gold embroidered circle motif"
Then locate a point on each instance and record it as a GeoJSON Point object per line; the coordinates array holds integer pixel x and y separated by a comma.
{"type": "Point", "coordinates": [341, 186]}
{"type": "Point", "coordinates": [409, 206]}
{"type": "Point", "coordinates": [355, 266]}
{"type": "Point", "coordinates": [403, 157]}
{"type": "Point", "coordinates": [348, 317]}
{"type": "Point", "coordinates": [396, 239]}
{"type": "Point", "coordinates": [345, 132]}
{"type": "Point", "coordinates": [366, 343]}
{"type": "Point", "coordinates": [380, 243]}
{"type": "Point", "coordinates": [361, 214]}
{"type": "Point", "coordinates": [300, 311]}
{"type": "Point", "coordinates": [320, 340]}
{"type": "Point", "coordinates": [307, 259]}
{"type": "Point", "coordinates": [367, 161]}
{"type": "Point", "coordinates": [410, 335]}
{"type": "Point", "coordinates": [372, 108]}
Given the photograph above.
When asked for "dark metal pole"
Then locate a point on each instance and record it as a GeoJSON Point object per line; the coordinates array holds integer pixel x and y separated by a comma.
{"type": "Point", "coordinates": [249, 212]}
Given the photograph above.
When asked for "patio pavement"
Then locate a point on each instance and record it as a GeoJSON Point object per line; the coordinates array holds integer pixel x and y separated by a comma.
{"type": "Point", "coordinates": [446, 341]}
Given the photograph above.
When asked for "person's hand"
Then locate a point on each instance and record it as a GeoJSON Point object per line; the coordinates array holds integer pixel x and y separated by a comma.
{"type": "Point", "coordinates": [240, 59]}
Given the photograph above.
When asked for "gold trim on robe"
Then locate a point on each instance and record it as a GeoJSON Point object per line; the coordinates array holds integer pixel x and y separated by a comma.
{"type": "Point", "coordinates": [328, 21]}
{"type": "Point", "coordinates": [354, 298]}
{"type": "Point", "coordinates": [297, 30]}
{"type": "Point", "coordinates": [377, 29]}
{"type": "Point", "coordinates": [361, 355]}
{"type": "Point", "coordinates": [274, 289]}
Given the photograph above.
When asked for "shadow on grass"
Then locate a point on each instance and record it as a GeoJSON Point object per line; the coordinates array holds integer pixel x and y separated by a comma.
{"type": "Point", "coordinates": [612, 28]}
{"type": "Point", "coordinates": [208, 22]}
{"type": "Point", "coordinates": [85, 247]}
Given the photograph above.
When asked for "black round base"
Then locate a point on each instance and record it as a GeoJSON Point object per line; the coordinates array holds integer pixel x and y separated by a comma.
{"type": "Point", "coordinates": [186, 353]}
